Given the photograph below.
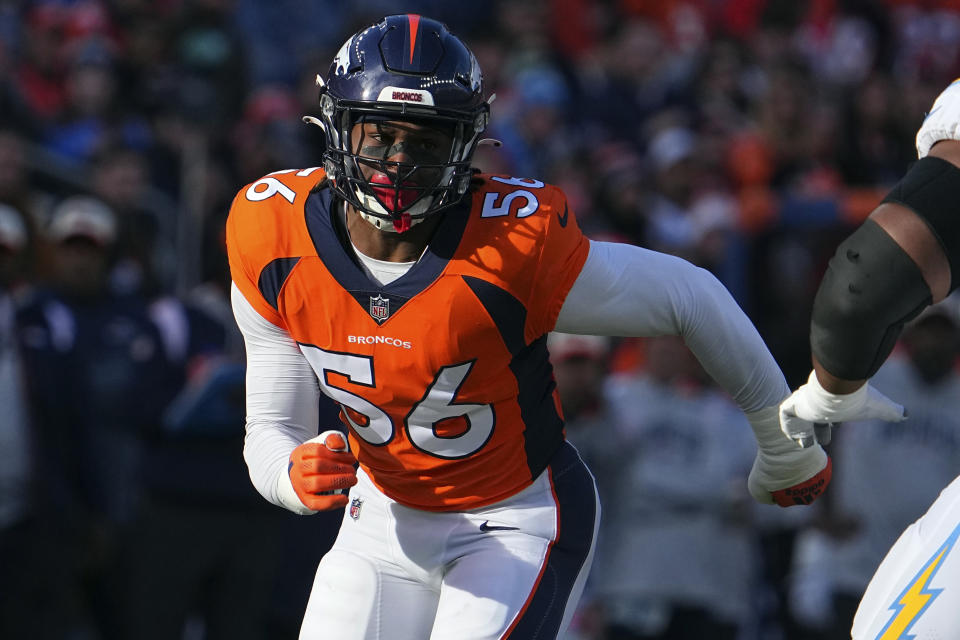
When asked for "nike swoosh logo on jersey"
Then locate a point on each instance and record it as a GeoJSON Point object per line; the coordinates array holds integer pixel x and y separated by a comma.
{"type": "Point", "coordinates": [563, 218]}
{"type": "Point", "coordinates": [486, 526]}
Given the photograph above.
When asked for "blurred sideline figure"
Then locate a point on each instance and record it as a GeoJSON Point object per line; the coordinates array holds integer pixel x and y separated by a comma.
{"type": "Point", "coordinates": [204, 549]}
{"type": "Point", "coordinates": [904, 257]}
{"type": "Point", "coordinates": [96, 372]}
{"type": "Point", "coordinates": [678, 562]}
{"type": "Point", "coordinates": [418, 293]}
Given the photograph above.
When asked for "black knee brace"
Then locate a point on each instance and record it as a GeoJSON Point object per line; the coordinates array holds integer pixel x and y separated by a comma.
{"type": "Point", "coordinates": [931, 188]}
{"type": "Point", "coordinates": [871, 289]}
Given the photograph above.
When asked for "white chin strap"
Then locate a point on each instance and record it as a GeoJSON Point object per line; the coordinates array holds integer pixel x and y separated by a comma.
{"type": "Point", "coordinates": [383, 224]}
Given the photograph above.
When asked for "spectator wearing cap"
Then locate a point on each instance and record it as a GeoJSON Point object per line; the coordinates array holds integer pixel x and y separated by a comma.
{"type": "Point", "coordinates": [671, 156]}
{"type": "Point", "coordinates": [82, 231]}
{"type": "Point", "coordinates": [580, 365]}
{"type": "Point", "coordinates": [579, 368]}
{"type": "Point", "coordinates": [97, 376]}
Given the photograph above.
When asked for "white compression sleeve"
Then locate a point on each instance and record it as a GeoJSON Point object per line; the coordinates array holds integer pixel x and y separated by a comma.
{"type": "Point", "coordinates": [283, 397]}
{"type": "Point", "coordinates": [625, 290]}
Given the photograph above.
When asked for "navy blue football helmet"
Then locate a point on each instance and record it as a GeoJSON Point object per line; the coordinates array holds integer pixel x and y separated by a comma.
{"type": "Point", "coordinates": [405, 68]}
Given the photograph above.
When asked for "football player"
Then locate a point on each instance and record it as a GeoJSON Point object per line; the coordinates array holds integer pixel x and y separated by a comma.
{"type": "Point", "coordinates": [418, 294]}
{"type": "Point", "coordinates": [904, 257]}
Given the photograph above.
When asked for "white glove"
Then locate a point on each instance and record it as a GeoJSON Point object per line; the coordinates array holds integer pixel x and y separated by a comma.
{"type": "Point", "coordinates": [942, 121]}
{"type": "Point", "coordinates": [811, 404]}
{"type": "Point", "coordinates": [782, 473]}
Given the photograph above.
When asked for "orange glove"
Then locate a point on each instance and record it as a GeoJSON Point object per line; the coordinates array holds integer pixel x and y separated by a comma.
{"type": "Point", "coordinates": [806, 491]}
{"type": "Point", "coordinates": [320, 472]}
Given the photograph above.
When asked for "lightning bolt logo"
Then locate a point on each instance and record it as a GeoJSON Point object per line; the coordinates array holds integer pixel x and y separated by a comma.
{"type": "Point", "coordinates": [917, 595]}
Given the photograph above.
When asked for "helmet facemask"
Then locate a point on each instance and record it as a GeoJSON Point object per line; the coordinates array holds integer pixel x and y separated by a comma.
{"type": "Point", "coordinates": [394, 195]}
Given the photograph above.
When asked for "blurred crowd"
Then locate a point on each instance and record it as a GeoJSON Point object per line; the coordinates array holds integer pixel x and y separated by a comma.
{"type": "Point", "coordinates": [748, 136]}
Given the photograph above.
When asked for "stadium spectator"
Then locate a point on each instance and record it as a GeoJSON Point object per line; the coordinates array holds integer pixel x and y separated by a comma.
{"type": "Point", "coordinates": [95, 372]}
{"type": "Point", "coordinates": [202, 550]}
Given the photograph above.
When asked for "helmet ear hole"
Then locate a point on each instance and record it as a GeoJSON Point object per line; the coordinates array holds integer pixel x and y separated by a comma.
{"type": "Point", "coordinates": [330, 167]}
{"type": "Point", "coordinates": [326, 105]}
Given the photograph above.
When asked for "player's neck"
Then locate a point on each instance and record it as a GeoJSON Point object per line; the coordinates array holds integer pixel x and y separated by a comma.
{"type": "Point", "coordinates": [387, 245]}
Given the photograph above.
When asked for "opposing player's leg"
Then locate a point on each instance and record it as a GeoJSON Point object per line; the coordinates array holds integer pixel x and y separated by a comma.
{"type": "Point", "coordinates": [517, 569]}
{"type": "Point", "coordinates": [914, 591]}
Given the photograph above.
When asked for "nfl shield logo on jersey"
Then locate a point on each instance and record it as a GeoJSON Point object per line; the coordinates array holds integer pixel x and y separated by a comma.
{"type": "Point", "coordinates": [355, 508]}
{"type": "Point", "coordinates": [379, 308]}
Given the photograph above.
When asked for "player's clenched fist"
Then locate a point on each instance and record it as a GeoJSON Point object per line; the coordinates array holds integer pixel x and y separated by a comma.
{"type": "Point", "coordinates": [319, 473]}
{"type": "Point", "coordinates": [807, 491]}
{"type": "Point", "coordinates": [784, 473]}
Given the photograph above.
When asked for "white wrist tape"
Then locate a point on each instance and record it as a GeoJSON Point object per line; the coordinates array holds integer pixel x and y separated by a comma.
{"type": "Point", "coordinates": [824, 406]}
{"type": "Point", "coordinates": [288, 497]}
{"type": "Point", "coordinates": [780, 462]}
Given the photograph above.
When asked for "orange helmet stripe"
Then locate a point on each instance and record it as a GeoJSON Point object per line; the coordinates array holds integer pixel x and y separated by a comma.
{"type": "Point", "coordinates": [414, 23]}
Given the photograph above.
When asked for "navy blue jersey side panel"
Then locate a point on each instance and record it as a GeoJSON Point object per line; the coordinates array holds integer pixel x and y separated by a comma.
{"type": "Point", "coordinates": [272, 278]}
{"type": "Point", "coordinates": [577, 511]}
{"type": "Point", "coordinates": [507, 312]}
{"type": "Point", "coordinates": [543, 426]}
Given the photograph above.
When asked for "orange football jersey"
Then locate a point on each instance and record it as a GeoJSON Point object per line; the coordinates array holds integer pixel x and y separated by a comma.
{"type": "Point", "coordinates": [442, 376]}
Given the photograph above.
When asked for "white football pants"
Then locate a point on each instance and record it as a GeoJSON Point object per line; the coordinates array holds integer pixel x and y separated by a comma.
{"type": "Point", "coordinates": [514, 569]}
{"type": "Point", "coordinates": [915, 592]}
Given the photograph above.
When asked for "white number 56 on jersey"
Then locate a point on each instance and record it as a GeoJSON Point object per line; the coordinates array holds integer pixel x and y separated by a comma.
{"type": "Point", "coordinates": [437, 404]}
